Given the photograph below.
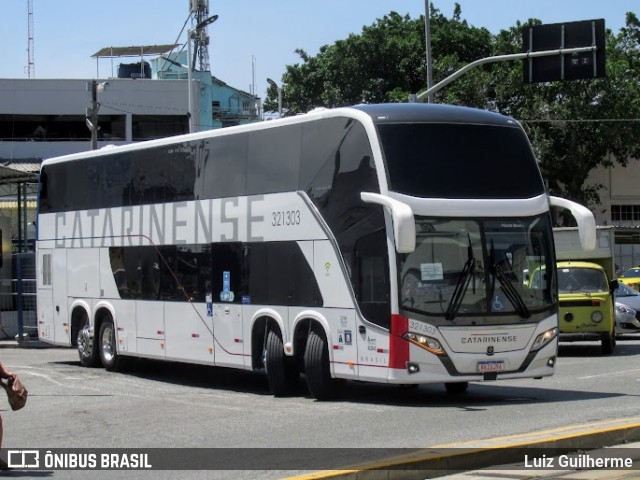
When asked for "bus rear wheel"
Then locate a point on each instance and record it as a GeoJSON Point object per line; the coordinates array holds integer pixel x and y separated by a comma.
{"type": "Point", "coordinates": [87, 350]}
{"type": "Point", "coordinates": [282, 373]}
{"type": "Point", "coordinates": [316, 367]}
{"type": "Point", "coordinates": [107, 347]}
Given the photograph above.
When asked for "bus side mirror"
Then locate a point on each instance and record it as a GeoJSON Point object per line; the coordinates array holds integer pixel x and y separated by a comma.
{"type": "Point", "coordinates": [404, 226]}
{"type": "Point", "coordinates": [585, 219]}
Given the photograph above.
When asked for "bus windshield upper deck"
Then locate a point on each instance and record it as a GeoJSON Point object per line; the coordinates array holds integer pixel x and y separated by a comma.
{"type": "Point", "coordinates": [471, 161]}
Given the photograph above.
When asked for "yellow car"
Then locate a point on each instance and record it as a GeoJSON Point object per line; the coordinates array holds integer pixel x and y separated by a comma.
{"type": "Point", "coordinates": [586, 304]}
{"type": "Point", "coordinates": [631, 277]}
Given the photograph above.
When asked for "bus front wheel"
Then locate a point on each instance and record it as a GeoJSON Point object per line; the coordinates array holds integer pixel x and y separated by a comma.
{"type": "Point", "coordinates": [316, 366]}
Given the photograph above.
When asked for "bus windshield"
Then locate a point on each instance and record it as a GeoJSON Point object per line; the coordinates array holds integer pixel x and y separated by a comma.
{"type": "Point", "coordinates": [474, 267]}
{"type": "Point", "coordinates": [459, 161]}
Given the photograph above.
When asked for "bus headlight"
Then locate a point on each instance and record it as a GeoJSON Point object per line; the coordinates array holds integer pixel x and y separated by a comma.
{"type": "Point", "coordinates": [428, 343]}
{"type": "Point", "coordinates": [596, 317]}
{"type": "Point", "coordinates": [544, 338]}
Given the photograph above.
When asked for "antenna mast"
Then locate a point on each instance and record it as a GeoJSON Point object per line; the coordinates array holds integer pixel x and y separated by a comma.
{"type": "Point", "coordinates": [200, 9]}
{"type": "Point", "coordinates": [31, 67]}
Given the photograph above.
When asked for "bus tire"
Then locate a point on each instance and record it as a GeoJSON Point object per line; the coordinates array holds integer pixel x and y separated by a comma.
{"type": "Point", "coordinates": [282, 374]}
{"type": "Point", "coordinates": [316, 366]}
{"type": "Point", "coordinates": [87, 348]}
{"type": "Point", "coordinates": [456, 388]}
{"type": "Point", "coordinates": [107, 347]}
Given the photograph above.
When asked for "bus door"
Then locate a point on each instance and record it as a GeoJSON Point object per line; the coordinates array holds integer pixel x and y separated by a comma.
{"type": "Point", "coordinates": [45, 295]}
{"type": "Point", "coordinates": [225, 305]}
{"type": "Point", "coordinates": [60, 297]}
{"type": "Point", "coordinates": [373, 296]}
{"type": "Point", "coordinates": [53, 321]}
{"type": "Point", "coordinates": [184, 286]}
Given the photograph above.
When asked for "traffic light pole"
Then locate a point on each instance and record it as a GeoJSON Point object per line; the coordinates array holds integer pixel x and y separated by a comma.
{"type": "Point", "coordinates": [500, 58]}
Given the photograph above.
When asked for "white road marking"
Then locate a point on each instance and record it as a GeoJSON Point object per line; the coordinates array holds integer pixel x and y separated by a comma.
{"type": "Point", "coordinates": [608, 374]}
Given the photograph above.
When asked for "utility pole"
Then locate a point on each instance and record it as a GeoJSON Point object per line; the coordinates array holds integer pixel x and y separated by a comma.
{"type": "Point", "coordinates": [94, 115]}
{"type": "Point", "coordinates": [92, 112]}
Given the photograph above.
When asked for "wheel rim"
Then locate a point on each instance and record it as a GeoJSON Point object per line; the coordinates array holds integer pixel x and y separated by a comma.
{"type": "Point", "coordinates": [108, 346]}
{"type": "Point", "coordinates": [85, 347]}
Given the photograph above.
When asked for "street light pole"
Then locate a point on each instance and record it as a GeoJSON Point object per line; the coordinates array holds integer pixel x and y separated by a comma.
{"type": "Point", "coordinates": [427, 36]}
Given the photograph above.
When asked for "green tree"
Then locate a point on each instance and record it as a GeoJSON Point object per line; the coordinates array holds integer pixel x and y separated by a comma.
{"type": "Point", "coordinates": [385, 63]}
{"type": "Point", "coordinates": [574, 126]}
{"type": "Point", "coordinates": [577, 126]}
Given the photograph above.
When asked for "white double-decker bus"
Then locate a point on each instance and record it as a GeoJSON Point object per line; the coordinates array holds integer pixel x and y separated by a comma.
{"type": "Point", "coordinates": [382, 243]}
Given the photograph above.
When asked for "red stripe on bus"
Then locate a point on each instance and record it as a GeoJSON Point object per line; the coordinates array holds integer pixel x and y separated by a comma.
{"type": "Point", "coordinates": [398, 347]}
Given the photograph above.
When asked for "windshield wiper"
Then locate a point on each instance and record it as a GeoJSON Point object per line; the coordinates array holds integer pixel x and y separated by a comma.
{"type": "Point", "coordinates": [510, 291]}
{"type": "Point", "coordinates": [462, 285]}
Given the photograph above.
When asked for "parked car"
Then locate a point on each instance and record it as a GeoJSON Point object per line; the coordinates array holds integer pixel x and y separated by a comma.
{"type": "Point", "coordinates": [627, 295]}
{"type": "Point", "coordinates": [627, 309]}
{"type": "Point", "coordinates": [626, 321]}
{"type": "Point", "coordinates": [631, 277]}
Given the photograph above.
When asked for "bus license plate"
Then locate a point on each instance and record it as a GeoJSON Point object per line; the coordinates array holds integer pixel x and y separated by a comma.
{"type": "Point", "coordinates": [491, 366]}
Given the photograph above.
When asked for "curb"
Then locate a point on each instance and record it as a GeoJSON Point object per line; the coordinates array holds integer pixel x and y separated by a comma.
{"type": "Point", "coordinates": [442, 460]}
{"type": "Point", "coordinates": [24, 344]}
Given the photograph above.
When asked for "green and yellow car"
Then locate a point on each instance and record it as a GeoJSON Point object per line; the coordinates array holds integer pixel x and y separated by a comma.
{"type": "Point", "coordinates": [586, 303]}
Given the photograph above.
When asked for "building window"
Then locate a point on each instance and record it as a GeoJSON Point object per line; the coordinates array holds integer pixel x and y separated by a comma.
{"type": "Point", "coordinates": [622, 213]}
{"type": "Point", "coordinates": [146, 127]}
{"type": "Point", "coordinates": [56, 128]}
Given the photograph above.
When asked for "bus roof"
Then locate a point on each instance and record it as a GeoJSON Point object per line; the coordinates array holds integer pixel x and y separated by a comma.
{"type": "Point", "coordinates": [379, 113]}
{"type": "Point", "coordinates": [429, 112]}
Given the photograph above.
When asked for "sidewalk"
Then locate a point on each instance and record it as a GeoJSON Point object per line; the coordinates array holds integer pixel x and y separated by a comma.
{"type": "Point", "coordinates": [27, 342]}
{"type": "Point", "coordinates": [565, 452]}
{"type": "Point", "coordinates": [562, 467]}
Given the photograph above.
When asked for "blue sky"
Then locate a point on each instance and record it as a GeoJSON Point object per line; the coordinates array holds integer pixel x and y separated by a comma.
{"type": "Point", "coordinates": [248, 32]}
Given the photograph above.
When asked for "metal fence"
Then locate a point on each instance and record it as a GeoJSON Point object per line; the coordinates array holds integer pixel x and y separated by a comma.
{"type": "Point", "coordinates": [18, 298]}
